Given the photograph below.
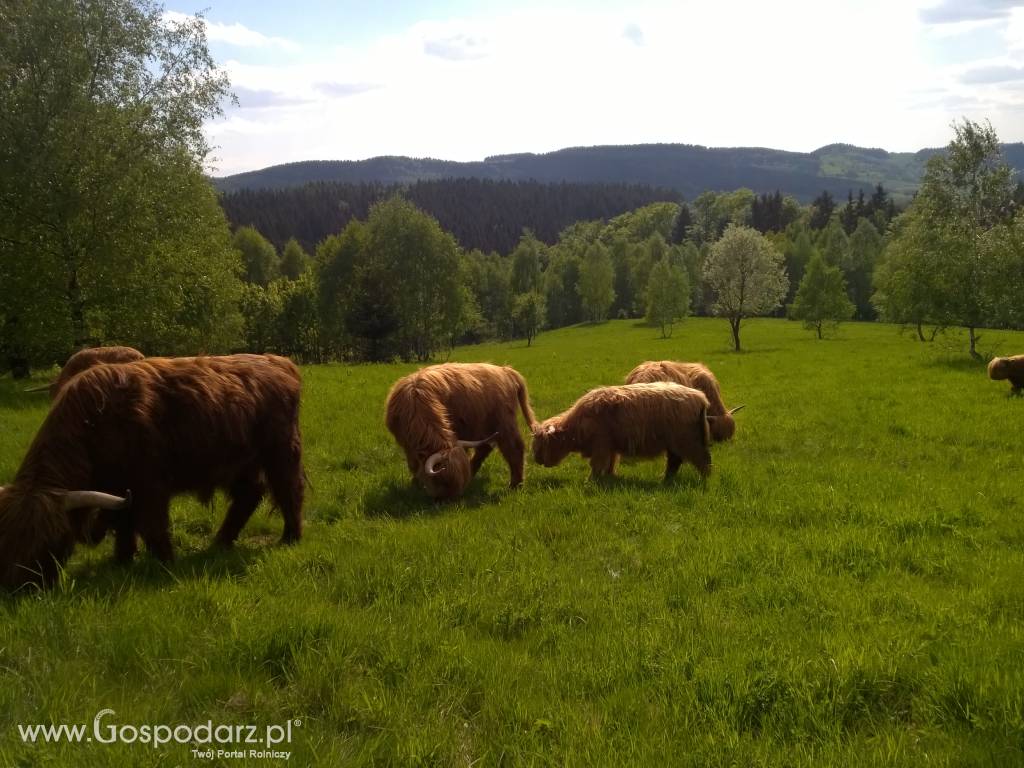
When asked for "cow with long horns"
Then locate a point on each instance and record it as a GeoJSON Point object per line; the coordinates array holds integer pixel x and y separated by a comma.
{"type": "Point", "coordinates": [1011, 368]}
{"type": "Point", "coordinates": [85, 359]}
{"type": "Point", "coordinates": [698, 376]}
{"type": "Point", "coordinates": [643, 420]}
{"type": "Point", "coordinates": [440, 411]}
{"type": "Point", "coordinates": [141, 433]}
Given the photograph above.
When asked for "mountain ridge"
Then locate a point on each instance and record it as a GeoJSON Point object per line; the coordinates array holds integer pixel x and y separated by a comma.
{"type": "Point", "coordinates": [687, 168]}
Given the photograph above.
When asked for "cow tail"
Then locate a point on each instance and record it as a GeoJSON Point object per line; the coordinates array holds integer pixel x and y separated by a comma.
{"type": "Point", "coordinates": [524, 400]}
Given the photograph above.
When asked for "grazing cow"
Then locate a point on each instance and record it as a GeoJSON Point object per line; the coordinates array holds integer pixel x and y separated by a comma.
{"type": "Point", "coordinates": [154, 428]}
{"type": "Point", "coordinates": [438, 412]}
{"type": "Point", "coordinates": [698, 376]}
{"type": "Point", "coordinates": [87, 358]}
{"type": "Point", "coordinates": [642, 420]}
{"type": "Point", "coordinates": [1011, 368]}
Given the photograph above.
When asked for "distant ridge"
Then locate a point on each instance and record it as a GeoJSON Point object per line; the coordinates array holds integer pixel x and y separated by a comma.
{"type": "Point", "coordinates": [687, 168]}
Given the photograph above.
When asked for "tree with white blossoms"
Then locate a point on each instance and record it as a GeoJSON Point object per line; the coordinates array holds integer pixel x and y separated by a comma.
{"type": "Point", "coordinates": [747, 276]}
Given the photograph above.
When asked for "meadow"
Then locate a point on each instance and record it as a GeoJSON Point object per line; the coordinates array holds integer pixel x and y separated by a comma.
{"type": "Point", "coordinates": [845, 590]}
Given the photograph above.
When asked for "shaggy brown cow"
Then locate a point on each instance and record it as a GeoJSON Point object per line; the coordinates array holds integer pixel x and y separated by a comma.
{"type": "Point", "coordinates": [439, 411]}
{"type": "Point", "coordinates": [643, 420]}
{"type": "Point", "coordinates": [157, 428]}
{"type": "Point", "coordinates": [698, 376]}
{"type": "Point", "coordinates": [1011, 368]}
{"type": "Point", "coordinates": [87, 358]}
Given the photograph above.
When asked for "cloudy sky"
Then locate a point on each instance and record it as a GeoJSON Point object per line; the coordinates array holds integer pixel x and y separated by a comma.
{"type": "Point", "coordinates": [463, 79]}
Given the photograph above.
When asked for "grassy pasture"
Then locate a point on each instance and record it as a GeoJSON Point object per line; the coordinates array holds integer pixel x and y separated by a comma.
{"type": "Point", "coordinates": [847, 589]}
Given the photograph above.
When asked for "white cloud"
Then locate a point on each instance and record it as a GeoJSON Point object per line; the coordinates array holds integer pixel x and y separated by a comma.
{"type": "Point", "coordinates": [237, 34]}
{"type": "Point", "coordinates": [538, 80]}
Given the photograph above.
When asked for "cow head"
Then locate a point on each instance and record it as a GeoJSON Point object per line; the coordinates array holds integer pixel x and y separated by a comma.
{"type": "Point", "coordinates": [999, 368]}
{"type": "Point", "coordinates": [723, 427]}
{"type": "Point", "coordinates": [551, 443]}
{"type": "Point", "coordinates": [446, 473]}
{"type": "Point", "coordinates": [39, 530]}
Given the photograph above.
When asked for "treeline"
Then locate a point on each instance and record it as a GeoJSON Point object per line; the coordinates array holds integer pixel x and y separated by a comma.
{"type": "Point", "coordinates": [397, 284]}
{"type": "Point", "coordinates": [480, 213]}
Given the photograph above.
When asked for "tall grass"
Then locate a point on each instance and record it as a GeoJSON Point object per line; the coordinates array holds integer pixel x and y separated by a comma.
{"type": "Point", "coordinates": [845, 590]}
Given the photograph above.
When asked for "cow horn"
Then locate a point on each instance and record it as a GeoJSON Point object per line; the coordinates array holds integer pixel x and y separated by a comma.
{"type": "Point", "coordinates": [432, 462]}
{"type": "Point", "coordinates": [80, 499]}
{"type": "Point", "coordinates": [737, 408]}
{"type": "Point", "coordinates": [477, 443]}
{"type": "Point", "coordinates": [40, 388]}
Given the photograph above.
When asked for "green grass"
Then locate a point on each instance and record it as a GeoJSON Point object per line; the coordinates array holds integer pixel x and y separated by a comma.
{"type": "Point", "coordinates": [845, 590]}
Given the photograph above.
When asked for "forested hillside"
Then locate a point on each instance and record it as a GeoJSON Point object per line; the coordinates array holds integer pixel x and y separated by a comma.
{"type": "Point", "coordinates": [489, 215]}
{"type": "Point", "coordinates": [688, 169]}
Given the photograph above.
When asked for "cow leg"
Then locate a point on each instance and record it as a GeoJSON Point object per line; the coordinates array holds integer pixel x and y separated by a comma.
{"type": "Point", "coordinates": [513, 449]}
{"type": "Point", "coordinates": [125, 544]}
{"type": "Point", "coordinates": [153, 522]}
{"type": "Point", "coordinates": [480, 455]}
{"type": "Point", "coordinates": [672, 466]}
{"type": "Point", "coordinates": [246, 494]}
{"type": "Point", "coordinates": [284, 474]}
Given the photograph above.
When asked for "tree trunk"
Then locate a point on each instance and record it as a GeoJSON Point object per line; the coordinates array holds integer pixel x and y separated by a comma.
{"type": "Point", "coordinates": [818, 327]}
{"type": "Point", "coordinates": [920, 331]}
{"type": "Point", "coordinates": [735, 323]}
{"type": "Point", "coordinates": [974, 342]}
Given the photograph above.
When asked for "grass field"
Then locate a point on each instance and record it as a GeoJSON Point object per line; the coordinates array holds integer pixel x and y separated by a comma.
{"type": "Point", "coordinates": [847, 589]}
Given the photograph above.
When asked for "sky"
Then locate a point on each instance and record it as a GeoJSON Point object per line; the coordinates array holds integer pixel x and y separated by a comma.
{"type": "Point", "coordinates": [461, 80]}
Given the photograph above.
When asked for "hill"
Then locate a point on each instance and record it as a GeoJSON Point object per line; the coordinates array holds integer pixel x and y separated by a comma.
{"type": "Point", "coordinates": [686, 168]}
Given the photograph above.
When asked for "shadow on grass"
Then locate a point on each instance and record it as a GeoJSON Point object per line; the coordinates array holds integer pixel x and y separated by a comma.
{"type": "Point", "coordinates": [107, 577]}
{"type": "Point", "coordinates": [403, 500]}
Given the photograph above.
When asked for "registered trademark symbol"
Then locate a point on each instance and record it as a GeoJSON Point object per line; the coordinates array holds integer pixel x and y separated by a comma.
{"type": "Point", "coordinates": [297, 721]}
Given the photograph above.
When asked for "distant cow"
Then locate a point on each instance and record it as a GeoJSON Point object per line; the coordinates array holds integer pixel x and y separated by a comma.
{"type": "Point", "coordinates": [642, 420]}
{"type": "Point", "coordinates": [87, 358]}
{"type": "Point", "coordinates": [438, 412]}
{"type": "Point", "coordinates": [1011, 368]}
{"type": "Point", "coordinates": [698, 376]}
{"type": "Point", "coordinates": [155, 428]}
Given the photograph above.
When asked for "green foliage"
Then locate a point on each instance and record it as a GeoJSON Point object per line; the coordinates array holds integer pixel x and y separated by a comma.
{"type": "Point", "coordinates": [821, 298]}
{"type": "Point", "coordinates": [833, 244]}
{"type": "Point", "coordinates": [747, 275]}
{"type": "Point", "coordinates": [561, 286]}
{"type": "Point", "coordinates": [259, 257]}
{"type": "Point", "coordinates": [798, 252]}
{"type": "Point", "coordinates": [528, 313]}
{"type": "Point", "coordinates": [294, 260]}
{"type": "Point", "coordinates": [597, 283]}
{"type": "Point", "coordinates": [490, 280]}
{"type": "Point", "coordinates": [668, 296]}
{"type": "Point", "coordinates": [101, 152]}
{"type": "Point", "coordinates": [298, 326]}
{"type": "Point", "coordinates": [336, 260]}
{"type": "Point", "coordinates": [261, 312]}
{"type": "Point", "coordinates": [413, 267]}
{"type": "Point", "coordinates": [526, 264]}
{"type": "Point", "coordinates": [966, 192]}
{"type": "Point", "coordinates": [638, 225]}
{"type": "Point", "coordinates": [865, 246]}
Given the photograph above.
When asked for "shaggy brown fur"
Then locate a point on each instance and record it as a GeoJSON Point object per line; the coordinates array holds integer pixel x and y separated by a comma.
{"type": "Point", "coordinates": [698, 376]}
{"type": "Point", "coordinates": [1011, 368]}
{"type": "Point", "coordinates": [87, 358]}
{"type": "Point", "coordinates": [429, 411]}
{"type": "Point", "coordinates": [157, 428]}
{"type": "Point", "coordinates": [642, 420]}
